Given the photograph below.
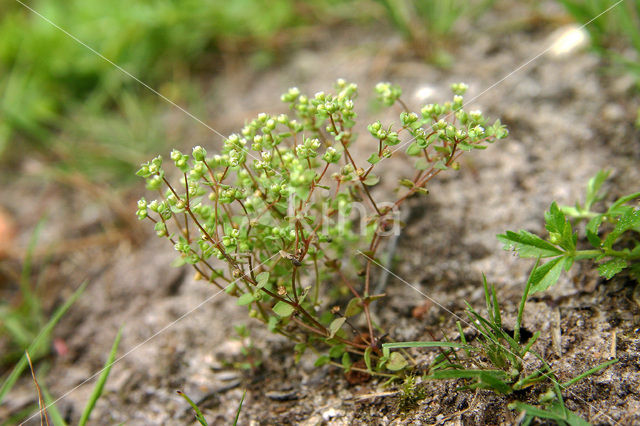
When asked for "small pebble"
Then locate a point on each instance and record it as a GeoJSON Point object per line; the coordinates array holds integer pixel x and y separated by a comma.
{"type": "Point", "coordinates": [330, 414]}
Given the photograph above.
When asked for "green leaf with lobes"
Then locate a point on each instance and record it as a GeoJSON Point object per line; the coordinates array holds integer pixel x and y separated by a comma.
{"type": "Point", "coordinates": [528, 244]}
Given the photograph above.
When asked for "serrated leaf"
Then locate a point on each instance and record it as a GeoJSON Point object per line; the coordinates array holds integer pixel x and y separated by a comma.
{"type": "Point", "coordinates": [611, 267]}
{"type": "Point", "coordinates": [547, 275]}
{"type": "Point", "coordinates": [283, 309]}
{"type": "Point", "coordinates": [593, 188]}
{"type": "Point", "coordinates": [354, 307]}
{"type": "Point", "coordinates": [554, 219]}
{"type": "Point", "coordinates": [245, 299]}
{"type": "Point", "coordinates": [592, 231]}
{"type": "Point", "coordinates": [262, 278]}
{"type": "Point", "coordinates": [528, 244]}
{"type": "Point", "coordinates": [373, 158]}
{"type": "Point", "coordinates": [336, 325]}
{"type": "Point", "coordinates": [558, 225]}
{"type": "Point", "coordinates": [620, 201]}
{"type": "Point", "coordinates": [396, 362]}
{"type": "Point", "coordinates": [629, 220]}
{"type": "Point", "coordinates": [371, 180]}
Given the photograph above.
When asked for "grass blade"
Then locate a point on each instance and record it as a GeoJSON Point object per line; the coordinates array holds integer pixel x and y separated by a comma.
{"type": "Point", "coordinates": [235, 421]}
{"type": "Point", "coordinates": [44, 333]}
{"type": "Point", "coordinates": [589, 372]}
{"type": "Point", "coordinates": [99, 387]}
{"type": "Point", "coordinates": [199, 415]}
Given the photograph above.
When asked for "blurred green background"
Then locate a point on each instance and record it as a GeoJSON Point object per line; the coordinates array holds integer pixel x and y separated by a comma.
{"type": "Point", "coordinates": [83, 114]}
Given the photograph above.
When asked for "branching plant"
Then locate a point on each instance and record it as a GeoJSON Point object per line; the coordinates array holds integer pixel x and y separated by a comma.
{"type": "Point", "coordinates": [272, 218]}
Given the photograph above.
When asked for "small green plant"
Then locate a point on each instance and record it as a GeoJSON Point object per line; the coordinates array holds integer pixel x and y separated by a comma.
{"type": "Point", "coordinates": [613, 236]}
{"type": "Point", "coordinates": [271, 219]}
{"type": "Point", "coordinates": [497, 361]}
{"type": "Point", "coordinates": [411, 393]}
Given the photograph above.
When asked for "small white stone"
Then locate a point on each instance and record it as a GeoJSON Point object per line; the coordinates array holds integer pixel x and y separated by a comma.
{"type": "Point", "coordinates": [568, 40]}
{"type": "Point", "coordinates": [330, 414]}
{"type": "Point", "coordinates": [423, 93]}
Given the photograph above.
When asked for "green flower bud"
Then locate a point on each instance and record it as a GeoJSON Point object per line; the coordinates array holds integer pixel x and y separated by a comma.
{"type": "Point", "coordinates": [459, 88]}
{"type": "Point", "coordinates": [331, 155]}
{"type": "Point", "coordinates": [199, 153]}
{"type": "Point", "coordinates": [161, 229]}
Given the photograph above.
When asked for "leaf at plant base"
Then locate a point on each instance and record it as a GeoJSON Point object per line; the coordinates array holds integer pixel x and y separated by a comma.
{"type": "Point", "coordinates": [283, 309]}
{"type": "Point", "coordinates": [528, 244]}
{"type": "Point", "coordinates": [336, 325]}
{"type": "Point", "coordinates": [547, 275]}
{"type": "Point", "coordinates": [262, 278]}
{"type": "Point", "coordinates": [354, 307]}
{"type": "Point", "coordinates": [611, 267]}
{"type": "Point", "coordinates": [245, 299]}
{"type": "Point", "coordinates": [396, 362]}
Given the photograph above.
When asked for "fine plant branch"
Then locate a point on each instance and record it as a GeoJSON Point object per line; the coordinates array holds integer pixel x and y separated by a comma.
{"type": "Point", "coordinates": [282, 194]}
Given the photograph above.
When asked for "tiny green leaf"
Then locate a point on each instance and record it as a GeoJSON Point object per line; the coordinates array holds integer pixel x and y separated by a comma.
{"type": "Point", "coordinates": [322, 360]}
{"type": "Point", "coordinates": [346, 361]}
{"type": "Point", "coordinates": [593, 188]}
{"type": "Point", "coordinates": [373, 158]}
{"type": "Point", "coordinates": [528, 244]}
{"type": "Point", "coordinates": [354, 307]}
{"type": "Point", "coordinates": [629, 220]}
{"type": "Point", "coordinates": [547, 275]}
{"type": "Point", "coordinates": [611, 267]}
{"type": "Point", "coordinates": [396, 362]}
{"type": "Point", "coordinates": [283, 309]}
{"type": "Point", "coordinates": [262, 278]}
{"type": "Point", "coordinates": [336, 325]}
{"type": "Point", "coordinates": [367, 357]}
{"type": "Point", "coordinates": [245, 299]}
{"type": "Point", "coordinates": [440, 165]}
{"type": "Point", "coordinates": [371, 180]}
